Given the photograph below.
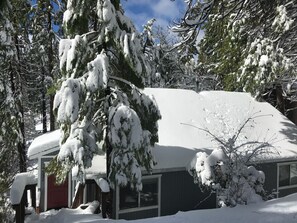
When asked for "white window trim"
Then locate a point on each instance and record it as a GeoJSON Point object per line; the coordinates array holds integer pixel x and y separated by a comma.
{"type": "Point", "coordinates": [130, 210]}
{"type": "Point", "coordinates": [284, 187]}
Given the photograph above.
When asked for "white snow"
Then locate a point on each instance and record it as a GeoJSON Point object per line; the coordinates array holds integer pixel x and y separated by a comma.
{"type": "Point", "coordinates": [263, 60]}
{"type": "Point", "coordinates": [218, 111]}
{"type": "Point", "coordinates": [43, 143]}
{"type": "Point", "coordinates": [97, 75]}
{"type": "Point", "coordinates": [221, 113]}
{"type": "Point", "coordinates": [97, 169]}
{"type": "Point", "coordinates": [103, 184]}
{"type": "Point", "coordinates": [274, 211]}
{"type": "Point", "coordinates": [21, 180]}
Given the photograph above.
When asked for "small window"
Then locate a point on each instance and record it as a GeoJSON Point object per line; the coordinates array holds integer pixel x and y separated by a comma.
{"type": "Point", "coordinates": [288, 175]}
{"type": "Point", "coordinates": [147, 197]}
{"type": "Point", "coordinates": [149, 193]}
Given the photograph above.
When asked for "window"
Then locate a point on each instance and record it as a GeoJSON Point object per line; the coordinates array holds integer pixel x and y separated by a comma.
{"type": "Point", "coordinates": [146, 199]}
{"type": "Point", "coordinates": [287, 175]}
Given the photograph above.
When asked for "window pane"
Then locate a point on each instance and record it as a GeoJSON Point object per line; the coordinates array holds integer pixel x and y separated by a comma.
{"type": "Point", "coordinates": [284, 175]}
{"type": "Point", "coordinates": [293, 174]}
{"type": "Point", "coordinates": [149, 193]}
{"type": "Point", "coordinates": [128, 198]}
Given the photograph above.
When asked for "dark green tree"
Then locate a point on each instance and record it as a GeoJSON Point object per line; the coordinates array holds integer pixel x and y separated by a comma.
{"type": "Point", "coordinates": [99, 104]}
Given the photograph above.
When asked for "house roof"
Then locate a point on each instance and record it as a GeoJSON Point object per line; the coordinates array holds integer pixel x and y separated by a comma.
{"type": "Point", "coordinates": [44, 144]}
{"type": "Point", "coordinates": [186, 115]}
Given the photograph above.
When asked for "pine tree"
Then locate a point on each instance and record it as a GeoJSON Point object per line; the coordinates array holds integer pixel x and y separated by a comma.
{"type": "Point", "coordinates": [171, 68]}
{"type": "Point", "coordinates": [247, 44]}
{"type": "Point", "coordinates": [45, 19]}
{"type": "Point", "coordinates": [99, 105]}
{"type": "Point", "coordinates": [12, 129]}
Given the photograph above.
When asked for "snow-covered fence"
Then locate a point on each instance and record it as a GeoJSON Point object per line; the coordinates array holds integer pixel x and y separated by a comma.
{"type": "Point", "coordinates": [18, 194]}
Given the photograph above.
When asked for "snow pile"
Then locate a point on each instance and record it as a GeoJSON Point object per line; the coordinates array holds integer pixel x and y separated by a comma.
{"type": "Point", "coordinates": [66, 215]}
{"type": "Point", "coordinates": [21, 180]}
{"type": "Point", "coordinates": [273, 211]}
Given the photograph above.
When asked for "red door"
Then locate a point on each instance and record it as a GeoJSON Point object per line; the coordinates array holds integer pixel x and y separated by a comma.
{"type": "Point", "coordinates": [57, 195]}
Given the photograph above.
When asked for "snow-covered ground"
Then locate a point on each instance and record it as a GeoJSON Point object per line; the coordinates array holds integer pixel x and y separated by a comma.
{"type": "Point", "coordinates": [282, 210]}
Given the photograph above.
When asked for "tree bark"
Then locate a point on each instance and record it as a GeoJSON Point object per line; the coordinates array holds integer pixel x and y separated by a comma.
{"type": "Point", "coordinates": [50, 63]}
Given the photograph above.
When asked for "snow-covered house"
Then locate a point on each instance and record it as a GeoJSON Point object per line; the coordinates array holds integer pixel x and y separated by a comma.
{"type": "Point", "coordinates": [170, 188]}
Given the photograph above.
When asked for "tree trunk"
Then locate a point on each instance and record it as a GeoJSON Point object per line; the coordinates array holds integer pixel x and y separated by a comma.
{"type": "Point", "coordinates": [50, 63]}
{"type": "Point", "coordinates": [280, 98]}
{"type": "Point", "coordinates": [16, 85]}
{"type": "Point", "coordinates": [43, 107]}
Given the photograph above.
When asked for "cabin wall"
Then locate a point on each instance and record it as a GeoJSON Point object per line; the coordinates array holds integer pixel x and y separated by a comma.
{"type": "Point", "coordinates": [270, 171]}
{"type": "Point", "coordinates": [271, 179]}
{"type": "Point", "coordinates": [178, 193]}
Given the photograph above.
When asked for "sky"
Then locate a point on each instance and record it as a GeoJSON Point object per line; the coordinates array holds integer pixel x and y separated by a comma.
{"type": "Point", "coordinates": [164, 11]}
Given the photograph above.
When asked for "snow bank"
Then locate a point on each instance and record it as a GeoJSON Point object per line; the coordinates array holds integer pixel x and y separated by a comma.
{"type": "Point", "coordinates": [21, 180]}
{"type": "Point", "coordinates": [273, 211]}
{"type": "Point", "coordinates": [65, 215]}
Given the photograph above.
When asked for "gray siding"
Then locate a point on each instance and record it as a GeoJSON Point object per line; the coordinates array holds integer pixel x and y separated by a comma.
{"type": "Point", "coordinates": [179, 193]}
{"type": "Point", "coordinates": [270, 170]}
{"type": "Point", "coordinates": [139, 214]}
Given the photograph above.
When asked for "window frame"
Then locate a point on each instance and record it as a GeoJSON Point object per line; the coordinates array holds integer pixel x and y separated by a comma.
{"type": "Point", "coordinates": [278, 172]}
{"type": "Point", "coordinates": [135, 209]}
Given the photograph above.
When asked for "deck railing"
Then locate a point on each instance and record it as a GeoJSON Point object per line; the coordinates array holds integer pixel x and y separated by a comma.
{"type": "Point", "coordinates": [20, 208]}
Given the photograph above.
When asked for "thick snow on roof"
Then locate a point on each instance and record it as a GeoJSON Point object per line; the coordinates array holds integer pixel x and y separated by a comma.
{"type": "Point", "coordinates": [43, 143]}
{"type": "Point", "coordinates": [21, 180]}
{"type": "Point", "coordinates": [97, 169]}
{"type": "Point", "coordinates": [221, 113]}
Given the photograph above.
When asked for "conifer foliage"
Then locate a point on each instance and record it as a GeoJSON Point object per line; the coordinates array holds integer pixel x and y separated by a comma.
{"type": "Point", "coordinates": [249, 45]}
{"type": "Point", "coordinates": [99, 105]}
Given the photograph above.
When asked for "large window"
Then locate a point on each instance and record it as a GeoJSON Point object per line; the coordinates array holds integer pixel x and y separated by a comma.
{"type": "Point", "coordinates": [148, 198]}
{"type": "Point", "coordinates": [287, 175]}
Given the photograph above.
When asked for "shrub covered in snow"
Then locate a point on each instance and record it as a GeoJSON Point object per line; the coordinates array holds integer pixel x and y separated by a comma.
{"type": "Point", "coordinates": [227, 170]}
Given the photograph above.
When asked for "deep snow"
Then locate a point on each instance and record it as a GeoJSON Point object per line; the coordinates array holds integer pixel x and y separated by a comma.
{"type": "Point", "coordinates": [282, 210]}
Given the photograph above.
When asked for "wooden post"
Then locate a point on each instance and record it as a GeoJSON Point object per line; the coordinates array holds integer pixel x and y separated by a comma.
{"type": "Point", "coordinates": [20, 210]}
{"type": "Point", "coordinates": [104, 204]}
{"type": "Point", "coordinates": [79, 196]}
{"type": "Point", "coordinates": [33, 196]}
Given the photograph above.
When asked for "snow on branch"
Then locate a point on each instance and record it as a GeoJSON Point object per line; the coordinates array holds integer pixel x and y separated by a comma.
{"type": "Point", "coordinates": [227, 170]}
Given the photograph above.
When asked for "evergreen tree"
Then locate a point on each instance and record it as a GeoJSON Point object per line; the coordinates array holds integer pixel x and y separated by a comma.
{"type": "Point", "coordinates": [247, 44]}
{"type": "Point", "coordinates": [46, 21]}
{"type": "Point", "coordinates": [12, 129]}
{"type": "Point", "coordinates": [99, 105]}
{"type": "Point", "coordinates": [171, 68]}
